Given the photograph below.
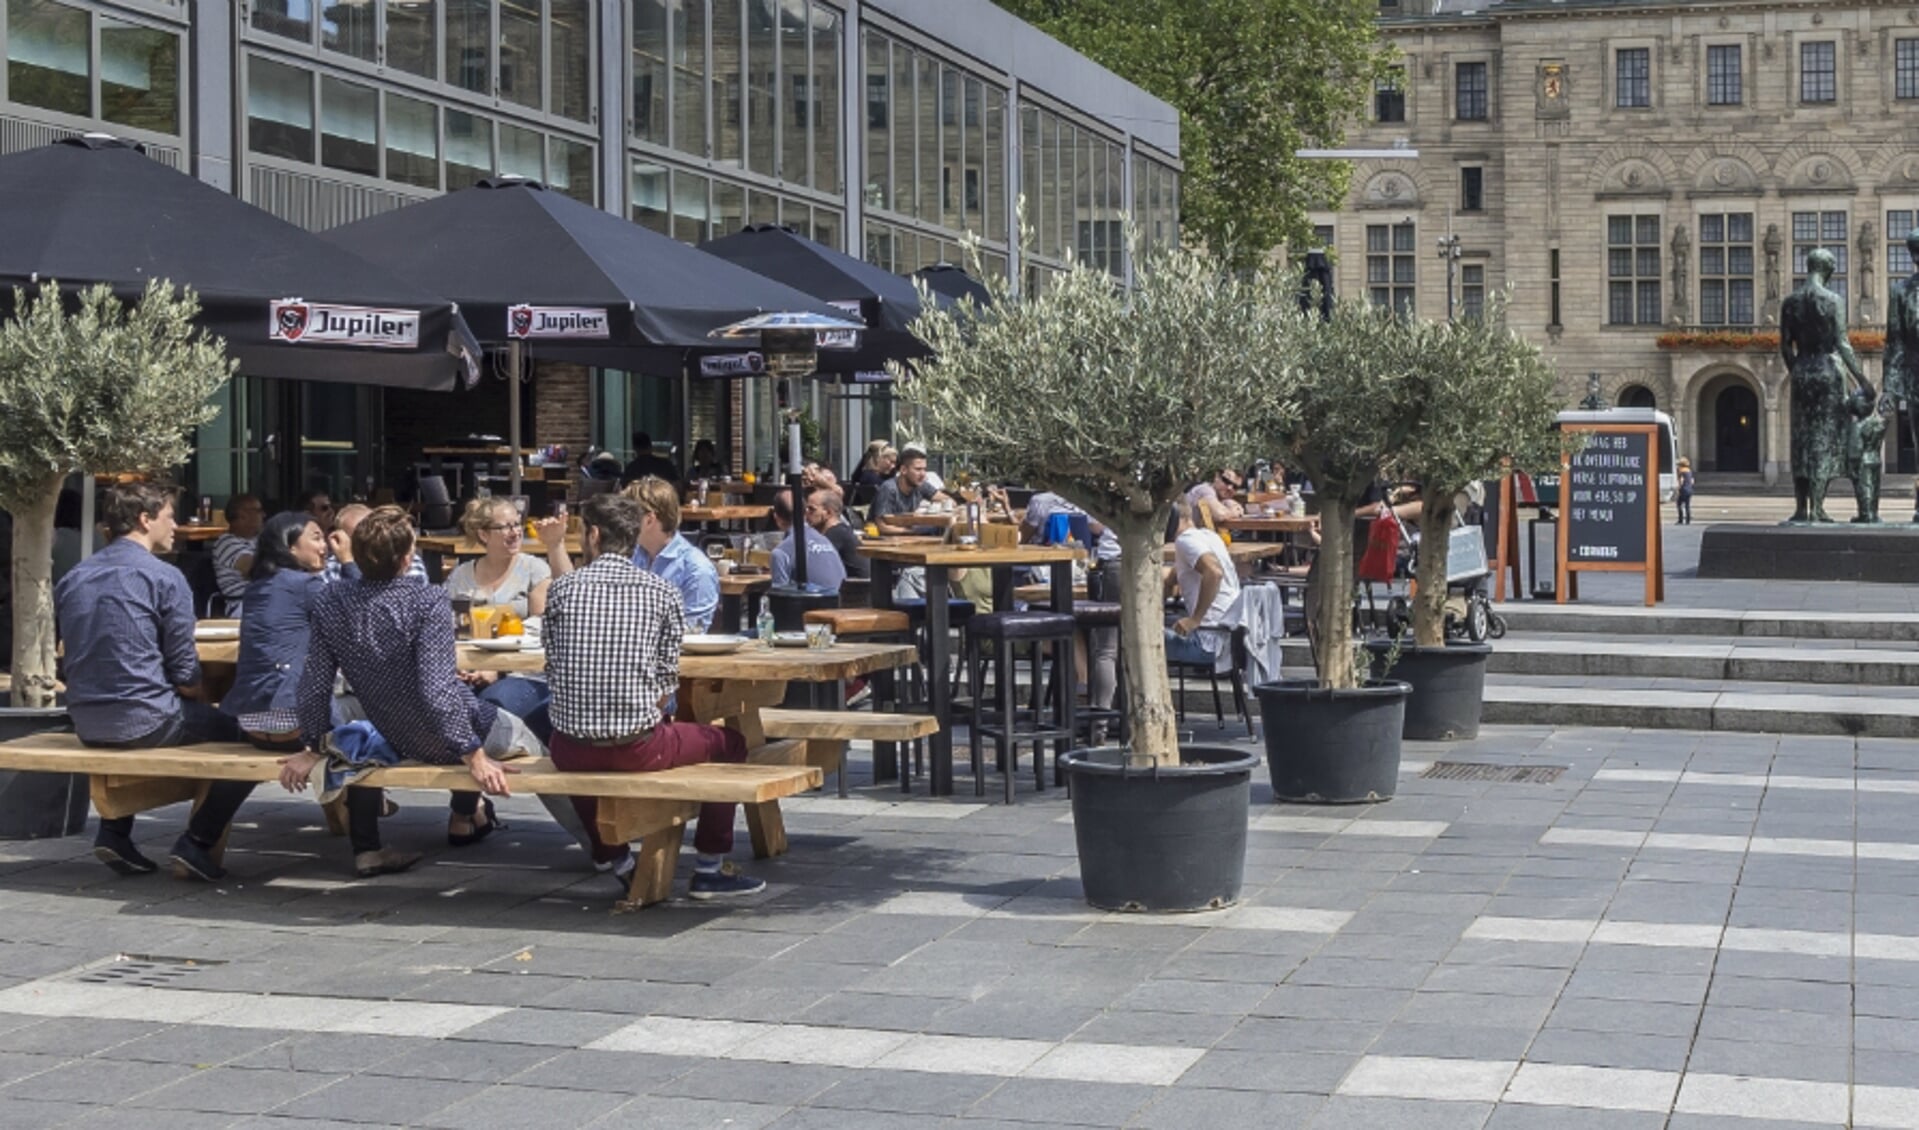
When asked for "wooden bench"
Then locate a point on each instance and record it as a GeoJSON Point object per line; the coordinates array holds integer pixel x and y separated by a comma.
{"type": "Point", "coordinates": [826, 732]}
{"type": "Point", "coordinates": [752, 709]}
{"type": "Point", "coordinates": [649, 807]}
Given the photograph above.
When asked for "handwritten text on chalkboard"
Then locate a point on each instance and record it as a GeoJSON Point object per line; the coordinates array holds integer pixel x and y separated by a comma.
{"type": "Point", "coordinates": [1607, 495]}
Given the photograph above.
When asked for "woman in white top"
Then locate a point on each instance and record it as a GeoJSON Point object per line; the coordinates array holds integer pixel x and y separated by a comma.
{"type": "Point", "coordinates": [503, 575]}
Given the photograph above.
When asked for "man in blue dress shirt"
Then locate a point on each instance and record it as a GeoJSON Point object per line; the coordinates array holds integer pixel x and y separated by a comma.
{"type": "Point", "coordinates": [665, 553]}
{"type": "Point", "coordinates": [133, 676]}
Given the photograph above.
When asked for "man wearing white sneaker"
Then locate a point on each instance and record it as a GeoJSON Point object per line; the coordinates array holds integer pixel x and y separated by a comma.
{"type": "Point", "coordinates": [612, 635]}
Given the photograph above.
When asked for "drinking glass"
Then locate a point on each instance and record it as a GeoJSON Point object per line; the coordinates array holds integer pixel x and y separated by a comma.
{"type": "Point", "coordinates": [716, 550]}
{"type": "Point", "coordinates": [484, 621]}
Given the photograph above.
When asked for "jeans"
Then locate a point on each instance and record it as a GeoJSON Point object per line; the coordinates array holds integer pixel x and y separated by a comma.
{"type": "Point", "coordinates": [525, 699]}
{"type": "Point", "coordinates": [1187, 649]}
{"type": "Point", "coordinates": [671, 744]}
{"type": "Point", "coordinates": [1102, 680]}
{"type": "Point", "coordinates": [196, 723]}
{"type": "Point", "coordinates": [1684, 505]}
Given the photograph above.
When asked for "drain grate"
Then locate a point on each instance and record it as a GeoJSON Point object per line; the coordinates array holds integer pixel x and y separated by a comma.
{"type": "Point", "coordinates": [142, 970]}
{"type": "Point", "coordinates": [1485, 771]}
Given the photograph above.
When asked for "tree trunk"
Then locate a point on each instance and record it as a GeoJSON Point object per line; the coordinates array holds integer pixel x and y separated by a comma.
{"type": "Point", "coordinates": [33, 598]}
{"type": "Point", "coordinates": [1435, 543]}
{"type": "Point", "coordinates": [1149, 687]}
{"type": "Point", "coordinates": [1332, 603]}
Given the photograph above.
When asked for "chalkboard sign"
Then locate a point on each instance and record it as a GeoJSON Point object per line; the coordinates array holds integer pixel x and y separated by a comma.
{"type": "Point", "coordinates": [1608, 491]}
{"type": "Point", "coordinates": [1609, 508]}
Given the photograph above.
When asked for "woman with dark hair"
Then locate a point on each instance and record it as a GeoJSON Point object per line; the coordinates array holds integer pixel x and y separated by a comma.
{"type": "Point", "coordinates": [273, 632]}
{"type": "Point", "coordinates": [285, 580]}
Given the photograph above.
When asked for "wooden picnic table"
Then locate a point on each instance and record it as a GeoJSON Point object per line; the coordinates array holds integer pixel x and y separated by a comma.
{"type": "Point", "coordinates": [939, 561]}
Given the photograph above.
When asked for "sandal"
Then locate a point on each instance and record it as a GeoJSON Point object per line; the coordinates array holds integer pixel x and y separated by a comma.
{"type": "Point", "coordinates": [480, 831]}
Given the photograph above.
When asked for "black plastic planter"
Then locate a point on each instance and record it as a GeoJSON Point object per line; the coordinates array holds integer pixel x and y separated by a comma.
{"type": "Point", "coordinates": [39, 806]}
{"type": "Point", "coordinates": [1449, 687]}
{"type": "Point", "coordinates": [1163, 839]}
{"type": "Point", "coordinates": [1332, 746]}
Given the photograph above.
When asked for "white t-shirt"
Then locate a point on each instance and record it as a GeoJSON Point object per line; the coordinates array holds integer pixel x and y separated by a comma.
{"type": "Point", "coordinates": [1188, 549]}
{"type": "Point", "coordinates": [527, 573]}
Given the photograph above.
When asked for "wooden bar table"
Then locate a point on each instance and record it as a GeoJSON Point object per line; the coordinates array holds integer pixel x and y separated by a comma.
{"type": "Point", "coordinates": [1279, 524]}
{"type": "Point", "coordinates": [939, 561]}
{"type": "Point", "coordinates": [736, 588]}
{"type": "Point", "coordinates": [726, 513]}
{"type": "Point", "coordinates": [435, 548]}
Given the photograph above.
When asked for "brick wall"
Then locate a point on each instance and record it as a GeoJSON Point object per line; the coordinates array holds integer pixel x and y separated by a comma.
{"type": "Point", "coordinates": [562, 407]}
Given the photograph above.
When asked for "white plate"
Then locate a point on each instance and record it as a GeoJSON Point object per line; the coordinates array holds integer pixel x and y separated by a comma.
{"type": "Point", "coordinates": [789, 639]}
{"type": "Point", "coordinates": [712, 645]}
{"type": "Point", "coordinates": [219, 632]}
{"type": "Point", "coordinates": [502, 643]}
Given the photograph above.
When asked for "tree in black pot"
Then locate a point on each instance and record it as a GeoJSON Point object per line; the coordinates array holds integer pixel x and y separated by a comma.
{"type": "Point", "coordinates": [1490, 398]}
{"type": "Point", "coordinates": [1118, 401]}
{"type": "Point", "coordinates": [94, 386]}
{"type": "Point", "coordinates": [1356, 391]}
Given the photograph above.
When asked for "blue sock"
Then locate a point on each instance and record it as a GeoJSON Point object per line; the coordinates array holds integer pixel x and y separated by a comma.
{"type": "Point", "coordinates": [706, 863]}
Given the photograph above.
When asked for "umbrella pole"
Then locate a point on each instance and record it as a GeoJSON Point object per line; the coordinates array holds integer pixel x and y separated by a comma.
{"type": "Point", "coordinates": [515, 358]}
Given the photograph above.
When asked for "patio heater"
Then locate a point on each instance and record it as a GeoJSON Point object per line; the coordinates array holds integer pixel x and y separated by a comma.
{"type": "Point", "coordinates": [790, 345]}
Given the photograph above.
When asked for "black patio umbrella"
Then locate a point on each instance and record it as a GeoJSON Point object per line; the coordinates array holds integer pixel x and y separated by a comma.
{"type": "Point", "coordinates": [886, 302]}
{"type": "Point", "coordinates": [532, 266]}
{"type": "Point", "coordinates": [94, 209]}
{"type": "Point", "coordinates": [952, 281]}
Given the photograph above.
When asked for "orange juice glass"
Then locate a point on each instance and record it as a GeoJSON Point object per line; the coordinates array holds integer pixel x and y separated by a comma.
{"type": "Point", "coordinates": [485, 620]}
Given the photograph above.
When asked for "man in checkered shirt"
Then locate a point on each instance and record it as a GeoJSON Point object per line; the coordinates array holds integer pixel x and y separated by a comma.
{"type": "Point", "coordinates": [612, 635]}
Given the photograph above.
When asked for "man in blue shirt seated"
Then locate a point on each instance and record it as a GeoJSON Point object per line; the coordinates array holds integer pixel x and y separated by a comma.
{"type": "Point", "coordinates": [825, 571]}
{"type": "Point", "coordinates": [666, 554]}
{"type": "Point", "coordinates": [133, 676]}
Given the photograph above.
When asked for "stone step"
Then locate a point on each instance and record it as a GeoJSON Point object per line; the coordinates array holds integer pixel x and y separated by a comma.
{"type": "Point", "coordinates": [1843, 663]}
{"type": "Point", "coordinates": [1609, 619]}
{"type": "Point", "coordinates": [1530, 702]}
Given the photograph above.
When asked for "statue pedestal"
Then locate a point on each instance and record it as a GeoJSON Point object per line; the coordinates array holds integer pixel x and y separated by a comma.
{"type": "Point", "coordinates": [1885, 554]}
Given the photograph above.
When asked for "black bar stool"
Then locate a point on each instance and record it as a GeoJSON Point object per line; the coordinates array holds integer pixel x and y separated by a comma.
{"type": "Point", "coordinates": [1008, 725]}
{"type": "Point", "coordinates": [1097, 616]}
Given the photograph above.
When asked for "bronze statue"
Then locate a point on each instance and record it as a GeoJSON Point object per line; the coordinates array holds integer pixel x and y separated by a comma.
{"type": "Point", "coordinates": [1819, 358]}
{"type": "Point", "coordinates": [1864, 456]}
{"type": "Point", "coordinates": [1902, 346]}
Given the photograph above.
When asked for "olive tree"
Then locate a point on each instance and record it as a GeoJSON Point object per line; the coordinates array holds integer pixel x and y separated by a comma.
{"type": "Point", "coordinates": [1117, 401]}
{"type": "Point", "coordinates": [94, 386]}
{"type": "Point", "coordinates": [1355, 391]}
{"type": "Point", "coordinates": [1489, 397]}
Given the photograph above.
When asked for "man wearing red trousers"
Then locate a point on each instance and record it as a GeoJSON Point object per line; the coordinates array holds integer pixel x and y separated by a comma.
{"type": "Point", "coordinates": [612, 636]}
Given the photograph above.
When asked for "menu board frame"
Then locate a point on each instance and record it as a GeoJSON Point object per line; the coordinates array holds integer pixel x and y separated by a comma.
{"type": "Point", "coordinates": [1654, 566]}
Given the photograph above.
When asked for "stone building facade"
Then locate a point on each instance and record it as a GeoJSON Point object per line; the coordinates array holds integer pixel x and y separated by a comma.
{"type": "Point", "coordinates": [1647, 176]}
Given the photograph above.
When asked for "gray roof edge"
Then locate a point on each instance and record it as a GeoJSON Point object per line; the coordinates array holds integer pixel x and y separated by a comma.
{"type": "Point", "coordinates": [999, 39]}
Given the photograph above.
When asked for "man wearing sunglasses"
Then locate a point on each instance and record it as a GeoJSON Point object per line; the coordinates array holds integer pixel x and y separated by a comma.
{"type": "Point", "coordinates": [1218, 497]}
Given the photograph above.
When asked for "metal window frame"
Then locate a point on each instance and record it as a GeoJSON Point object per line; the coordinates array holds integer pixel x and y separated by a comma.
{"type": "Point", "coordinates": [1826, 75]}
{"type": "Point", "coordinates": [93, 121]}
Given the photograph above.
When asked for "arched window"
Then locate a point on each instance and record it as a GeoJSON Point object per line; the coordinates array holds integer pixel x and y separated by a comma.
{"type": "Point", "coordinates": [1637, 396]}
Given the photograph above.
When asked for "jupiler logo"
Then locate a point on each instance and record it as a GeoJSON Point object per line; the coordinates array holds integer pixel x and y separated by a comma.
{"type": "Point", "coordinates": [295, 320]}
{"type": "Point", "coordinates": [524, 321]}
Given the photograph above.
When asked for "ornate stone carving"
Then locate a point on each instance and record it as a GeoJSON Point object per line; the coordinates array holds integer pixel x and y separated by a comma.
{"type": "Point", "coordinates": [1681, 305]}
{"type": "Point", "coordinates": [1773, 245]}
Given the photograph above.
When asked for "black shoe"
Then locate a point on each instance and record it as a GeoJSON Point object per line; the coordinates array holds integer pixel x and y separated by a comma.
{"type": "Point", "coordinates": [195, 861]}
{"type": "Point", "coordinates": [117, 851]}
{"type": "Point", "coordinates": [480, 831]}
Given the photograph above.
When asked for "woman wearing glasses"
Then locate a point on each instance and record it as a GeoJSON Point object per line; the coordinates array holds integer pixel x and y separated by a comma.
{"type": "Point", "coordinates": [502, 576]}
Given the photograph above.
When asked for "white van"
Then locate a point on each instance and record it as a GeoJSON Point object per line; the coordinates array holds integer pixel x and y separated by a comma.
{"type": "Point", "coordinates": [1668, 452]}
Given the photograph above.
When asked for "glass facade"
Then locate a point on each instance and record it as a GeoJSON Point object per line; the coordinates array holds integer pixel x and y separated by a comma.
{"type": "Point", "coordinates": [736, 112]}
{"type": "Point", "coordinates": [52, 50]}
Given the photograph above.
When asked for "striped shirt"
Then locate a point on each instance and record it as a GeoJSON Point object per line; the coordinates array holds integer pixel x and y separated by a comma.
{"type": "Point", "coordinates": [227, 552]}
